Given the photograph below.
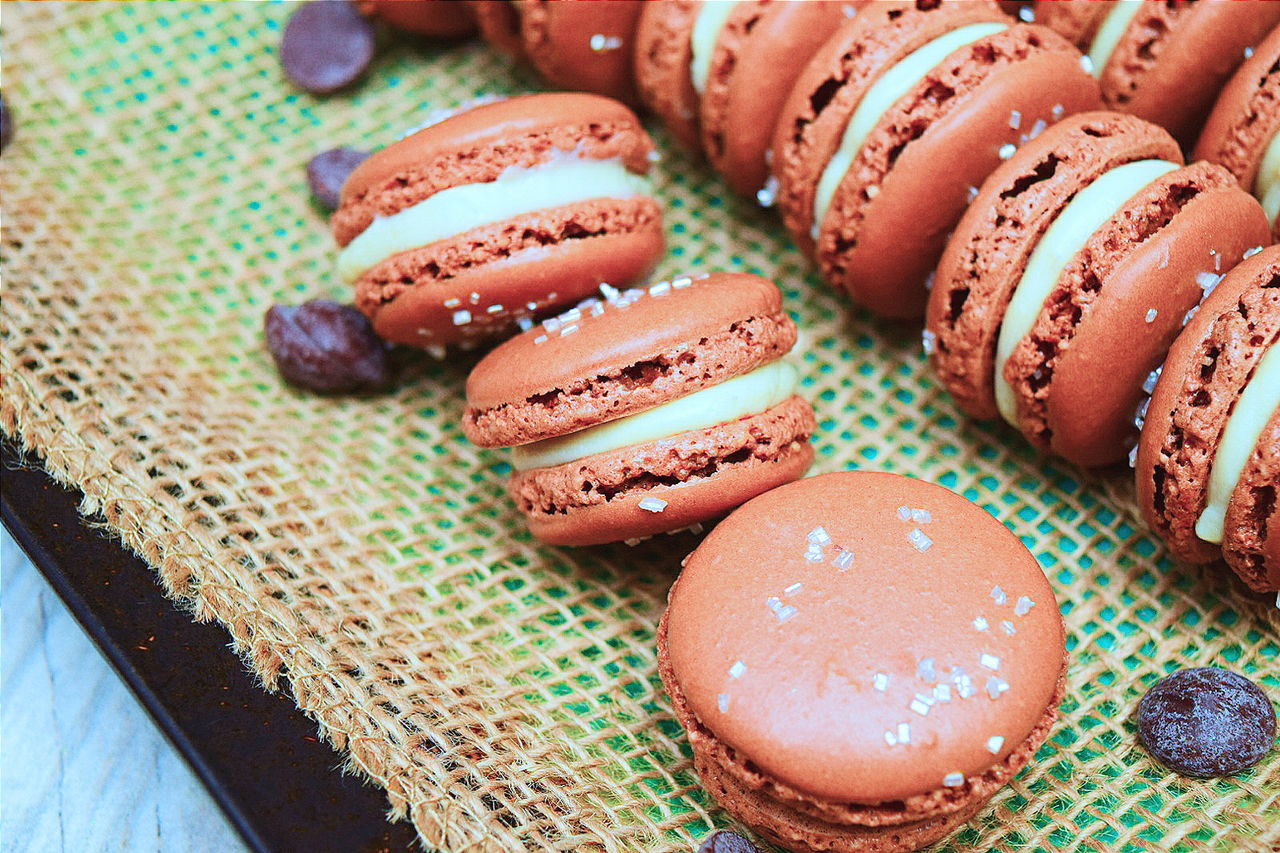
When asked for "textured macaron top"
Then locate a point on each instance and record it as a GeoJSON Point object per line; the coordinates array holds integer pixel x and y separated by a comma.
{"type": "Point", "coordinates": [623, 354]}
{"type": "Point", "coordinates": [1201, 380]}
{"type": "Point", "coordinates": [477, 145]}
{"type": "Point", "coordinates": [1246, 116]}
{"type": "Point", "coordinates": [865, 637]}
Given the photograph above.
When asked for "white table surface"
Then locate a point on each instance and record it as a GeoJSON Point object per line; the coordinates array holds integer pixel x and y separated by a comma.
{"type": "Point", "coordinates": [82, 767]}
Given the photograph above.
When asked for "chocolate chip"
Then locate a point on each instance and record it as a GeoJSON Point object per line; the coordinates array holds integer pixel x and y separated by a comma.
{"type": "Point", "coordinates": [325, 346]}
{"type": "Point", "coordinates": [6, 124]}
{"type": "Point", "coordinates": [328, 170]}
{"type": "Point", "coordinates": [1206, 722]}
{"type": "Point", "coordinates": [327, 45]}
{"type": "Point", "coordinates": [725, 841]}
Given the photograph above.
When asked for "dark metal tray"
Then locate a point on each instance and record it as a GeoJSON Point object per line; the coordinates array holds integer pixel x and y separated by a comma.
{"type": "Point", "coordinates": [260, 758]}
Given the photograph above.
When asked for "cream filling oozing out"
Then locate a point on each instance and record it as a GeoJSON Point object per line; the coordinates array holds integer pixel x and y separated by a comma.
{"type": "Point", "coordinates": [1258, 401]}
{"type": "Point", "coordinates": [1109, 33]}
{"type": "Point", "coordinates": [1267, 185]}
{"type": "Point", "coordinates": [707, 24]}
{"type": "Point", "coordinates": [564, 179]}
{"type": "Point", "coordinates": [748, 394]}
{"type": "Point", "coordinates": [1066, 236]}
{"type": "Point", "coordinates": [892, 86]}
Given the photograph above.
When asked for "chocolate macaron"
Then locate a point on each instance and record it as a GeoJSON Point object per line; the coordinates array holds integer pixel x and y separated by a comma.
{"type": "Point", "coordinates": [1162, 61]}
{"type": "Point", "coordinates": [578, 45]}
{"type": "Point", "coordinates": [508, 210]}
{"type": "Point", "coordinates": [1243, 131]}
{"type": "Point", "coordinates": [432, 18]}
{"type": "Point", "coordinates": [1208, 463]}
{"type": "Point", "coordinates": [718, 71]}
{"type": "Point", "coordinates": [900, 112]}
{"type": "Point", "coordinates": [647, 411]}
{"type": "Point", "coordinates": [861, 660]}
{"type": "Point", "coordinates": [1071, 274]}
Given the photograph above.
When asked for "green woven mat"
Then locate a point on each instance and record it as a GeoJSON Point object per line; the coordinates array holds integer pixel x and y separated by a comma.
{"type": "Point", "coordinates": [364, 556]}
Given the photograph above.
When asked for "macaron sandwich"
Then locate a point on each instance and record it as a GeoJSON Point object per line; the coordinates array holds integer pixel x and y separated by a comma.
{"type": "Point", "coordinates": [508, 210]}
{"type": "Point", "coordinates": [1072, 272]}
{"type": "Point", "coordinates": [896, 117]}
{"type": "Point", "coordinates": [576, 45]}
{"type": "Point", "coordinates": [1208, 462]}
{"type": "Point", "coordinates": [1243, 131]}
{"type": "Point", "coordinates": [861, 660]}
{"type": "Point", "coordinates": [646, 411]}
{"type": "Point", "coordinates": [718, 71]}
{"type": "Point", "coordinates": [1162, 61]}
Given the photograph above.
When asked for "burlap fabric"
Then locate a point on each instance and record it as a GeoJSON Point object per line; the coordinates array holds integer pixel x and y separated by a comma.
{"type": "Point", "coordinates": [363, 555]}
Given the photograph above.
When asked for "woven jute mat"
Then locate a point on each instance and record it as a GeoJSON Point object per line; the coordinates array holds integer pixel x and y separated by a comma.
{"type": "Point", "coordinates": [364, 557]}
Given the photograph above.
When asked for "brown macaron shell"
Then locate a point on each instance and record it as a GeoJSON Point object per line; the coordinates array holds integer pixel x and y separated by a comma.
{"type": "Point", "coordinates": [816, 827]}
{"type": "Point", "coordinates": [890, 216]}
{"type": "Point", "coordinates": [777, 726]}
{"type": "Point", "coordinates": [1175, 57]}
{"type": "Point", "coordinates": [701, 474]}
{"type": "Point", "coordinates": [1246, 116]}
{"type": "Point", "coordinates": [635, 354]}
{"type": "Point", "coordinates": [1206, 369]}
{"type": "Point", "coordinates": [989, 250]}
{"type": "Point", "coordinates": [1251, 542]}
{"type": "Point", "coordinates": [499, 23]}
{"type": "Point", "coordinates": [764, 46]}
{"type": "Point", "coordinates": [663, 55]}
{"type": "Point", "coordinates": [1077, 375]}
{"type": "Point", "coordinates": [583, 45]}
{"type": "Point", "coordinates": [479, 283]}
{"type": "Point", "coordinates": [433, 18]}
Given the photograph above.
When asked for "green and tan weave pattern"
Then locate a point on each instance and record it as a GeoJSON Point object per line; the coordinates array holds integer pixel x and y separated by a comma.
{"type": "Point", "coordinates": [363, 555]}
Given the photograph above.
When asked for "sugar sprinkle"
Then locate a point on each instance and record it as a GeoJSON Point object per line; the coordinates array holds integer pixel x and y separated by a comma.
{"type": "Point", "coordinates": [652, 504]}
{"type": "Point", "coordinates": [904, 733]}
{"type": "Point", "coordinates": [737, 669]}
{"type": "Point", "coordinates": [921, 708]}
{"type": "Point", "coordinates": [919, 539]}
{"type": "Point", "coordinates": [953, 780]}
{"type": "Point", "coordinates": [880, 681]}
{"type": "Point", "coordinates": [1007, 627]}
{"type": "Point", "coordinates": [989, 661]}
{"type": "Point", "coordinates": [461, 318]}
{"type": "Point", "coordinates": [819, 536]}
{"type": "Point", "coordinates": [996, 686]}
{"type": "Point", "coordinates": [994, 743]}
{"type": "Point", "coordinates": [1007, 150]}
{"type": "Point", "coordinates": [925, 670]}
{"type": "Point", "coordinates": [843, 560]}
{"type": "Point", "coordinates": [722, 701]}
{"type": "Point", "coordinates": [1024, 605]}
{"type": "Point", "coordinates": [998, 595]}
{"type": "Point", "coordinates": [981, 623]}
{"type": "Point", "coordinates": [1151, 315]}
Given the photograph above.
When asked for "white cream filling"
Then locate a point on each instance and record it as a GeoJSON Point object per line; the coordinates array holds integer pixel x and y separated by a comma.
{"type": "Point", "coordinates": [748, 394]}
{"type": "Point", "coordinates": [565, 179]}
{"type": "Point", "coordinates": [1258, 401]}
{"type": "Point", "coordinates": [892, 86]}
{"type": "Point", "coordinates": [1066, 236]}
{"type": "Point", "coordinates": [1109, 33]}
{"type": "Point", "coordinates": [1267, 185]}
{"type": "Point", "coordinates": [707, 24]}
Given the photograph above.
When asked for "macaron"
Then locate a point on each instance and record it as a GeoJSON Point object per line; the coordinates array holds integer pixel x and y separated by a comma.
{"type": "Point", "coordinates": [718, 71]}
{"type": "Point", "coordinates": [577, 45]}
{"type": "Point", "coordinates": [1243, 131]}
{"type": "Point", "coordinates": [896, 116]}
{"type": "Point", "coordinates": [432, 18]}
{"type": "Point", "coordinates": [646, 411]}
{"type": "Point", "coordinates": [1071, 274]}
{"type": "Point", "coordinates": [1162, 61]}
{"type": "Point", "coordinates": [1208, 462]}
{"type": "Point", "coordinates": [861, 660]}
{"type": "Point", "coordinates": [508, 210]}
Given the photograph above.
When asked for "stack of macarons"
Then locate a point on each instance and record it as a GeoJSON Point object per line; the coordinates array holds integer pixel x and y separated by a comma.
{"type": "Point", "coordinates": [1243, 131]}
{"type": "Point", "coordinates": [1208, 463]}
{"type": "Point", "coordinates": [646, 411]}
{"type": "Point", "coordinates": [1078, 263]}
{"type": "Point", "coordinates": [507, 211]}
{"type": "Point", "coordinates": [1162, 61]}
{"type": "Point", "coordinates": [861, 661]}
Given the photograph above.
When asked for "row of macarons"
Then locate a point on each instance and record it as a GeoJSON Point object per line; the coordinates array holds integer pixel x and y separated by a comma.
{"type": "Point", "coordinates": [509, 208]}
